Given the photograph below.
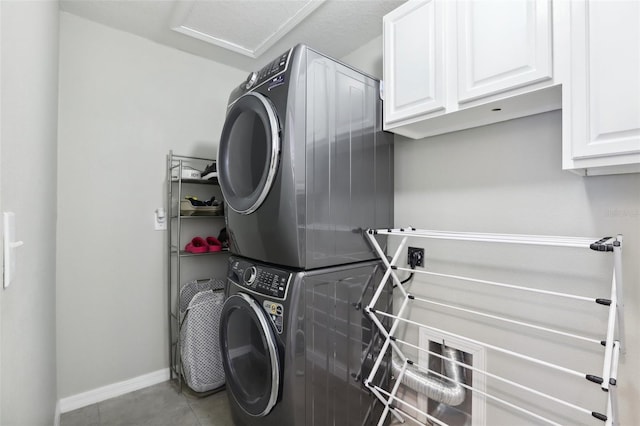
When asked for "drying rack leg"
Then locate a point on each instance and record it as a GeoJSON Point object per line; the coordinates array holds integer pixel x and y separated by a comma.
{"type": "Point", "coordinates": [611, 324]}
{"type": "Point", "coordinates": [617, 268]}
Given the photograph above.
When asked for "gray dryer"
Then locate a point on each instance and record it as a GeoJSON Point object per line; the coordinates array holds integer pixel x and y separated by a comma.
{"type": "Point", "coordinates": [304, 164]}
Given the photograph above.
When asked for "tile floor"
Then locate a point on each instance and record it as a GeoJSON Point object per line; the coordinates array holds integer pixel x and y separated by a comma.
{"type": "Point", "coordinates": [159, 405]}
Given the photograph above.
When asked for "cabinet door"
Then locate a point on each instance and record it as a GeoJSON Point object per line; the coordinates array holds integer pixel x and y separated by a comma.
{"type": "Point", "coordinates": [413, 61]}
{"type": "Point", "coordinates": [502, 45]}
{"type": "Point", "coordinates": [603, 104]}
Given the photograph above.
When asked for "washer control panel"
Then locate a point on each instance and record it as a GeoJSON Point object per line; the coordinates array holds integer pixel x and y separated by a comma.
{"type": "Point", "coordinates": [260, 279]}
{"type": "Point", "coordinates": [275, 311]}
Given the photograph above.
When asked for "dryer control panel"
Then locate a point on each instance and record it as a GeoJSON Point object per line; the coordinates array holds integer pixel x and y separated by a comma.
{"type": "Point", "coordinates": [260, 279]}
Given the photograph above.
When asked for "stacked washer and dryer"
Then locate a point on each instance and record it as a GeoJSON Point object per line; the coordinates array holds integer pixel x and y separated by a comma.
{"type": "Point", "coordinates": [304, 168]}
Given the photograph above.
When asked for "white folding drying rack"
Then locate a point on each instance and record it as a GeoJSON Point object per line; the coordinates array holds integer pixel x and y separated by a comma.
{"type": "Point", "coordinates": [612, 342]}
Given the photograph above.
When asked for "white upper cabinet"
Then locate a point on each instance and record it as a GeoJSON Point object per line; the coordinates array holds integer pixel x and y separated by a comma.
{"type": "Point", "coordinates": [414, 61]}
{"type": "Point", "coordinates": [469, 57]}
{"type": "Point", "coordinates": [455, 64]}
{"type": "Point", "coordinates": [601, 88]}
{"type": "Point", "coordinates": [502, 45]}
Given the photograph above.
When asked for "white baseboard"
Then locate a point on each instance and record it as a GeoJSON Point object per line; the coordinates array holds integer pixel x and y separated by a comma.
{"type": "Point", "coordinates": [56, 415]}
{"type": "Point", "coordinates": [103, 393]}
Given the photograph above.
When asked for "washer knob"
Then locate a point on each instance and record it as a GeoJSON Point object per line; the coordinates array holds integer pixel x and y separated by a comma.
{"type": "Point", "coordinates": [251, 80]}
{"type": "Point", "coordinates": [250, 275]}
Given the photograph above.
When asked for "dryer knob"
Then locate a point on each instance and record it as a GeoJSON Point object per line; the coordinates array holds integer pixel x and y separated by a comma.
{"type": "Point", "coordinates": [251, 80]}
{"type": "Point", "coordinates": [250, 275]}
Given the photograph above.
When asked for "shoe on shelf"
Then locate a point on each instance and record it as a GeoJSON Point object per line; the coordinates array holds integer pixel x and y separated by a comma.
{"type": "Point", "coordinates": [195, 202]}
{"type": "Point", "coordinates": [187, 173]}
{"type": "Point", "coordinates": [224, 238]}
{"type": "Point", "coordinates": [210, 172]}
{"type": "Point", "coordinates": [214, 244]}
{"type": "Point", "coordinates": [197, 245]}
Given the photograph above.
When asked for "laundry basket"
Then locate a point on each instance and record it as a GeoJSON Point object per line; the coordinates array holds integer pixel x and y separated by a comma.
{"type": "Point", "coordinates": [200, 307]}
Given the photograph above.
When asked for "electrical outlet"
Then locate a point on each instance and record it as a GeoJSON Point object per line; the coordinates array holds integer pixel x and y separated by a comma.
{"type": "Point", "coordinates": [415, 256]}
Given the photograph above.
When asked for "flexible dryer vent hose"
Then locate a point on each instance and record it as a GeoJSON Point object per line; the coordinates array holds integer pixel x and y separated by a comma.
{"type": "Point", "coordinates": [448, 391]}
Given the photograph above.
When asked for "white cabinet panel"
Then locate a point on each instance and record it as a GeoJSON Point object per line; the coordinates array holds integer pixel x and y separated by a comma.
{"type": "Point", "coordinates": [414, 61]}
{"type": "Point", "coordinates": [602, 97]}
{"type": "Point", "coordinates": [445, 56]}
{"type": "Point", "coordinates": [456, 64]}
{"type": "Point", "coordinates": [502, 45]}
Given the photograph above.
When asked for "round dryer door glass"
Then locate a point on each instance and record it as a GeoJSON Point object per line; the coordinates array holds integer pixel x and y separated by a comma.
{"type": "Point", "coordinates": [249, 354]}
{"type": "Point", "coordinates": [248, 152]}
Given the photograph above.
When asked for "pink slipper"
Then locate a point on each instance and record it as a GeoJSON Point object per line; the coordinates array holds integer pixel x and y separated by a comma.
{"type": "Point", "coordinates": [197, 245]}
{"type": "Point", "coordinates": [214, 244]}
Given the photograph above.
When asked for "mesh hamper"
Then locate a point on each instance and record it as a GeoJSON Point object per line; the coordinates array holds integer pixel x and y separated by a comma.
{"type": "Point", "coordinates": [200, 307]}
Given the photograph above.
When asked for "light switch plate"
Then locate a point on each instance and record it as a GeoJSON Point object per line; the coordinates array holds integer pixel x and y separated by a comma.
{"type": "Point", "coordinates": [160, 219]}
{"type": "Point", "coordinates": [9, 246]}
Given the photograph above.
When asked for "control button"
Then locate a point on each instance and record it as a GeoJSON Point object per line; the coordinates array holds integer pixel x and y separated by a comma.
{"type": "Point", "coordinates": [250, 275]}
{"type": "Point", "coordinates": [251, 80]}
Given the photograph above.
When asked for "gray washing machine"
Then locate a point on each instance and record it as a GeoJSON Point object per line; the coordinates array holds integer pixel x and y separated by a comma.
{"type": "Point", "coordinates": [303, 163]}
{"type": "Point", "coordinates": [296, 345]}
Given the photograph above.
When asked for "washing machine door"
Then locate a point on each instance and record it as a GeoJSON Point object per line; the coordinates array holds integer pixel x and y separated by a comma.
{"type": "Point", "coordinates": [249, 355]}
{"type": "Point", "coordinates": [248, 152]}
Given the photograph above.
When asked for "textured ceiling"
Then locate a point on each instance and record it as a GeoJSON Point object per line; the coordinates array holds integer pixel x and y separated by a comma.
{"type": "Point", "coordinates": [232, 32]}
{"type": "Point", "coordinates": [209, 21]}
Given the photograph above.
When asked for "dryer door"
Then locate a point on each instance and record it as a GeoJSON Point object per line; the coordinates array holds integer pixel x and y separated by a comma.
{"type": "Point", "coordinates": [248, 152]}
{"type": "Point", "coordinates": [249, 355]}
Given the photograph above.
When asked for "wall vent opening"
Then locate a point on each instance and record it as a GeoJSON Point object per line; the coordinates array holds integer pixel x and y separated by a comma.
{"type": "Point", "coordinates": [472, 411]}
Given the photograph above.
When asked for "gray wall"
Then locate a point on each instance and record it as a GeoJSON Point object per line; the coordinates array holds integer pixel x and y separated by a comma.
{"type": "Point", "coordinates": [507, 178]}
{"type": "Point", "coordinates": [124, 103]}
{"type": "Point", "coordinates": [28, 122]}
